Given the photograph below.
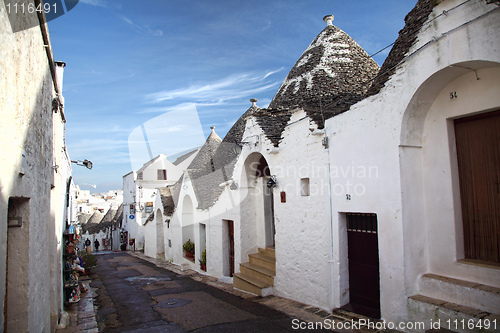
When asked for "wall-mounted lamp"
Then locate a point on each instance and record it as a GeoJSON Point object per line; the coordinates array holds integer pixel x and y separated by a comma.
{"type": "Point", "coordinates": [85, 163]}
{"type": "Point", "coordinates": [271, 183]}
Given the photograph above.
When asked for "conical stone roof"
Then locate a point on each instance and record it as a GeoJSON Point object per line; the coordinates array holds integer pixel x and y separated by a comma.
{"type": "Point", "coordinates": [203, 162]}
{"type": "Point", "coordinates": [333, 73]}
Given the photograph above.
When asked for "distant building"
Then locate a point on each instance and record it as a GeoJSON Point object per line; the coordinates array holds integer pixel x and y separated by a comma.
{"type": "Point", "coordinates": [140, 188]}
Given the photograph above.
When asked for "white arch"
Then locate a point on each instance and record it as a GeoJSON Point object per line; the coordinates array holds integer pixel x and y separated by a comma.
{"type": "Point", "coordinates": [432, 221]}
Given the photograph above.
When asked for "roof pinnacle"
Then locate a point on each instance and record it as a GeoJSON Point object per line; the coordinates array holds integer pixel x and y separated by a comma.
{"type": "Point", "coordinates": [328, 19]}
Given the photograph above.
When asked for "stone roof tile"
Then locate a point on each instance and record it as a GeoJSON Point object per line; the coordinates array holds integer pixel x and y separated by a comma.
{"type": "Point", "coordinates": [414, 21]}
{"type": "Point", "coordinates": [332, 74]}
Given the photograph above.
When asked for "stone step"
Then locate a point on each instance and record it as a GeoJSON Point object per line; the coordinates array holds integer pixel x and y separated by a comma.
{"type": "Point", "coordinates": [258, 272]}
{"type": "Point", "coordinates": [268, 251]}
{"type": "Point", "coordinates": [451, 316]}
{"type": "Point", "coordinates": [247, 283]}
{"type": "Point", "coordinates": [463, 292]}
{"type": "Point", "coordinates": [264, 261]}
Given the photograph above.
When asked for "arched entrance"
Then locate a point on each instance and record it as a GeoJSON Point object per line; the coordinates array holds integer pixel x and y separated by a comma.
{"type": "Point", "coordinates": [160, 238]}
{"type": "Point", "coordinates": [432, 202]}
{"type": "Point", "coordinates": [187, 222]}
{"type": "Point", "coordinates": [257, 208]}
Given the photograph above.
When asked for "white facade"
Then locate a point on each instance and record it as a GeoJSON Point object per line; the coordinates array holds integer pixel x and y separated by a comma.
{"type": "Point", "coordinates": [140, 191]}
{"type": "Point", "coordinates": [35, 176]}
{"type": "Point", "coordinates": [391, 155]}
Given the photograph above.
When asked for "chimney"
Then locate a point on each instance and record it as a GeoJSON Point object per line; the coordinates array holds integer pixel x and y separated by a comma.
{"type": "Point", "coordinates": [59, 74]}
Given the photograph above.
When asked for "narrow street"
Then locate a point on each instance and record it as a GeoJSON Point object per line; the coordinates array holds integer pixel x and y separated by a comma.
{"type": "Point", "coordinates": [136, 296]}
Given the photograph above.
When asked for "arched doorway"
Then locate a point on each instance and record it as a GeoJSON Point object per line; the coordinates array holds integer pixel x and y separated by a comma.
{"type": "Point", "coordinates": [187, 222]}
{"type": "Point", "coordinates": [432, 202]}
{"type": "Point", "coordinates": [257, 208]}
{"type": "Point", "coordinates": [160, 238]}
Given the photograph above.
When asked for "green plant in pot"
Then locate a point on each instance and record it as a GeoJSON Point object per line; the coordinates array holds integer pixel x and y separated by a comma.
{"type": "Point", "coordinates": [203, 260]}
{"type": "Point", "coordinates": [188, 248]}
{"type": "Point", "coordinates": [88, 261]}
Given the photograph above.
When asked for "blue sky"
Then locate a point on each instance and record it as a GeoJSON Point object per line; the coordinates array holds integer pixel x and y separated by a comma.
{"type": "Point", "coordinates": [131, 63]}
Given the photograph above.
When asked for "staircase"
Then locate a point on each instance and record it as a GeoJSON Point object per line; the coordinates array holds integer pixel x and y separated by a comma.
{"type": "Point", "coordinates": [257, 275]}
{"type": "Point", "coordinates": [452, 300]}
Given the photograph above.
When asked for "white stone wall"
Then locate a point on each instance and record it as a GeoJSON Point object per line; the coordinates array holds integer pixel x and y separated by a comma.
{"type": "Point", "coordinates": [129, 196]}
{"type": "Point", "coordinates": [26, 93]}
{"type": "Point", "coordinates": [404, 132]}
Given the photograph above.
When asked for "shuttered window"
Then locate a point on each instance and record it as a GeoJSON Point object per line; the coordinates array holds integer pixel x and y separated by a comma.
{"type": "Point", "coordinates": [478, 155]}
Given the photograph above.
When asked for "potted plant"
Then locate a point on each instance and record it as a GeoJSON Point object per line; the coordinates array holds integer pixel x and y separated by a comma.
{"type": "Point", "coordinates": [188, 248]}
{"type": "Point", "coordinates": [88, 262]}
{"type": "Point", "coordinates": [203, 260]}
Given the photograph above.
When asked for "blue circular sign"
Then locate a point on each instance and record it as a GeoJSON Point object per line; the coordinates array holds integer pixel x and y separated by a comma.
{"type": "Point", "coordinates": [131, 217]}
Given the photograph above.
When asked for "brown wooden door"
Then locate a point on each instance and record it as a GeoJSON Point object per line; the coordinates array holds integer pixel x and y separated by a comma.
{"type": "Point", "coordinates": [364, 279]}
{"type": "Point", "coordinates": [230, 231]}
{"type": "Point", "coordinates": [478, 155]}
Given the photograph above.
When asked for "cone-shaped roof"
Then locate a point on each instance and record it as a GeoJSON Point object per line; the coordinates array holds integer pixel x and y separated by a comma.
{"type": "Point", "coordinates": [203, 162]}
{"type": "Point", "coordinates": [83, 218]}
{"type": "Point", "coordinates": [333, 73]}
{"type": "Point", "coordinates": [95, 218]}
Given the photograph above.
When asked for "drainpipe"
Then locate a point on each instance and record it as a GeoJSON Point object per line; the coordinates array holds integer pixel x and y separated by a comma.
{"type": "Point", "coordinates": [331, 268]}
{"type": "Point", "coordinates": [48, 49]}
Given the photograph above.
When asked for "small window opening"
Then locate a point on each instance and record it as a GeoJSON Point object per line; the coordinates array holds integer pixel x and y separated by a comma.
{"type": "Point", "coordinates": [162, 174]}
{"type": "Point", "coordinates": [305, 189]}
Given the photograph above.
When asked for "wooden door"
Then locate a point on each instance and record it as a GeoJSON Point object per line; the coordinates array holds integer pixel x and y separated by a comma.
{"type": "Point", "coordinates": [478, 156]}
{"type": "Point", "coordinates": [364, 278]}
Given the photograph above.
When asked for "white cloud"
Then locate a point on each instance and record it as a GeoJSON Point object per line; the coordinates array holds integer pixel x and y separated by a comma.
{"type": "Point", "coordinates": [232, 87]}
{"type": "Point", "coordinates": [273, 72]}
{"type": "Point", "coordinates": [141, 29]}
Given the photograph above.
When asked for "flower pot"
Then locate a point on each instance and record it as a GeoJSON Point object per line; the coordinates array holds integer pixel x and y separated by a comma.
{"type": "Point", "coordinates": [203, 267]}
{"type": "Point", "coordinates": [189, 255]}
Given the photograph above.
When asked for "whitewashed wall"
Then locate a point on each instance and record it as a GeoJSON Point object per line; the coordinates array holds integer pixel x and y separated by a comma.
{"type": "Point", "coordinates": [403, 132]}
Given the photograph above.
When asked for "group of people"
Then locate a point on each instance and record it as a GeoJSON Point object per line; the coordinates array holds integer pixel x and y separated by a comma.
{"type": "Point", "coordinates": [87, 243]}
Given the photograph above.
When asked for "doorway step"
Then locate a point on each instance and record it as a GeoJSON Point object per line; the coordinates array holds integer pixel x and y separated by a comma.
{"type": "Point", "coordinates": [456, 301]}
{"type": "Point", "coordinates": [257, 275]}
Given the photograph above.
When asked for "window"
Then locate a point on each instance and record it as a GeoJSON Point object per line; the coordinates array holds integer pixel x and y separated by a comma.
{"type": "Point", "coordinates": [162, 174]}
{"type": "Point", "coordinates": [139, 176]}
{"type": "Point", "coordinates": [304, 187]}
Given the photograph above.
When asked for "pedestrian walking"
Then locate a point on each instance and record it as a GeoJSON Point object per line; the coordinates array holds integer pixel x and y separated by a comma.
{"type": "Point", "coordinates": [96, 244]}
{"type": "Point", "coordinates": [87, 246]}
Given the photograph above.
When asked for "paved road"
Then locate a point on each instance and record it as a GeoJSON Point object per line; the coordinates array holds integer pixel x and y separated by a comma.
{"type": "Point", "coordinates": [137, 296]}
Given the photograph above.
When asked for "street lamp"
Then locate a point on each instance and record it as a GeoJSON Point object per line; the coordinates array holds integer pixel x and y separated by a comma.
{"type": "Point", "coordinates": [85, 163]}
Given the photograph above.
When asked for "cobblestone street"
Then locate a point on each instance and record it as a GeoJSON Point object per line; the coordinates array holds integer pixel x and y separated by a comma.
{"type": "Point", "coordinates": [134, 295]}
